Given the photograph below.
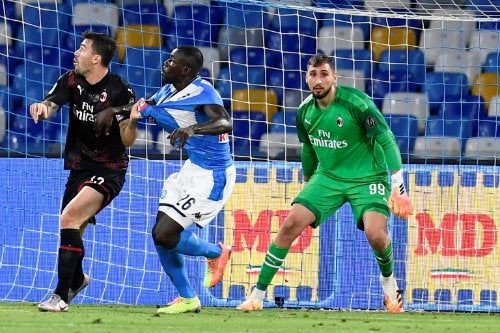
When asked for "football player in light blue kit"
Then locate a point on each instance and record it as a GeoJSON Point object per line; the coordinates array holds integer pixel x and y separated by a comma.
{"type": "Point", "coordinates": [191, 110]}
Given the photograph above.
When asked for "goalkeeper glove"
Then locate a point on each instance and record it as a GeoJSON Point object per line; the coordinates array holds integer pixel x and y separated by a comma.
{"type": "Point", "coordinates": [399, 202]}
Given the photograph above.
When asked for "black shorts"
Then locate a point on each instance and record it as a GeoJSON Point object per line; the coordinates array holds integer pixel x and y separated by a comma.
{"type": "Point", "coordinates": [106, 181]}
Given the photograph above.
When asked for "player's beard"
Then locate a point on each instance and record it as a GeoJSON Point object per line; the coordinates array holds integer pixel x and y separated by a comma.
{"type": "Point", "coordinates": [322, 95]}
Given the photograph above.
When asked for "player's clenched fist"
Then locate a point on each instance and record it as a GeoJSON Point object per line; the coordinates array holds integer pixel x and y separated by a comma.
{"type": "Point", "coordinates": [399, 202]}
{"type": "Point", "coordinates": [38, 111]}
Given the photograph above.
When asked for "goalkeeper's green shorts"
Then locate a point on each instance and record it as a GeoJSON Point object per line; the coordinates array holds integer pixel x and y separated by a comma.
{"type": "Point", "coordinates": [324, 195]}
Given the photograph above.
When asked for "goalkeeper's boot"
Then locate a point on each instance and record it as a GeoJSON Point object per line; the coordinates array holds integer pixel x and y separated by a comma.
{"type": "Point", "coordinates": [393, 296]}
{"type": "Point", "coordinates": [54, 304]}
{"type": "Point", "coordinates": [254, 302]}
{"type": "Point", "coordinates": [181, 305]}
{"type": "Point", "coordinates": [216, 267]}
{"type": "Point", "coordinates": [72, 293]}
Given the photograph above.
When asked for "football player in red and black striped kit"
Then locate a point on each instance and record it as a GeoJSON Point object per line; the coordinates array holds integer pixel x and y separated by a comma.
{"type": "Point", "coordinates": [97, 164]}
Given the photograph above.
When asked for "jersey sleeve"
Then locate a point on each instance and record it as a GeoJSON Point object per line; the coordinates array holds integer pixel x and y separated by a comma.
{"type": "Point", "coordinates": [301, 131]}
{"type": "Point", "coordinates": [60, 93]}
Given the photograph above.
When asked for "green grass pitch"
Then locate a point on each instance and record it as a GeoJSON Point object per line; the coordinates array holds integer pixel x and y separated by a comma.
{"type": "Point", "coordinates": [25, 318]}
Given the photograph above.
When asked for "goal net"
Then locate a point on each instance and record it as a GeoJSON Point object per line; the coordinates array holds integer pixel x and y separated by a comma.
{"type": "Point", "coordinates": [430, 66]}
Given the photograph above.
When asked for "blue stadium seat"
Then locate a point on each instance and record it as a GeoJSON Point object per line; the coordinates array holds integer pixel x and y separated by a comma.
{"type": "Point", "coordinates": [248, 128]}
{"type": "Point", "coordinates": [354, 59]}
{"type": "Point", "coordinates": [150, 58]}
{"type": "Point", "coordinates": [409, 60]}
{"type": "Point", "coordinates": [225, 84]}
{"type": "Point", "coordinates": [253, 56]}
{"type": "Point", "coordinates": [146, 13]}
{"type": "Point", "coordinates": [291, 42]}
{"type": "Point", "coordinates": [405, 130]}
{"type": "Point", "coordinates": [192, 25]}
{"type": "Point", "coordinates": [443, 87]}
{"type": "Point", "coordinates": [246, 16]}
{"type": "Point", "coordinates": [483, 7]}
{"type": "Point", "coordinates": [492, 63]}
{"type": "Point", "coordinates": [384, 82]}
{"type": "Point", "coordinates": [488, 127]}
{"type": "Point", "coordinates": [289, 20]}
{"type": "Point", "coordinates": [283, 121]}
{"type": "Point", "coordinates": [469, 107]}
{"type": "Point", "coordinates": [437, 126]}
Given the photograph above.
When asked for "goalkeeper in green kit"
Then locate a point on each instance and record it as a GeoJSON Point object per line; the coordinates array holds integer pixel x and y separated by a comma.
{"type": "Point", "coordinates": [347, 149]}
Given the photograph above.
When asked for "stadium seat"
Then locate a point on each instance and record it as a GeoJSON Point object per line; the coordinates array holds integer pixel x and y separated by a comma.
{"type": "Point", "coordinates": [492, 62]}
{"type": "Point", "coordinates": [487, 85]}
{"type": "Point", "coordinates": [488, 127]}
{"type": "Point", "coordinates": [211, 60]}
{"type": "Point", "coordinates": [290, 20]}
{"type": "Point", "coordinates": [283, 122]}
{"type": "Point", "coordinates": [154, 13]}
{"type": "Point", "coordinates": [482, 148]}
{"type": "Point", "coordinates": [483, 7]}
{"type": "Point", "coordinates": [469, 108]}
{"type": "Point", "coordinates": [275, 144]}
{"type": "Point", "coordinates": [225, 85]}
{"type": "Point", "coordinates": [248, 128]}
{"type": "Point", "coordinates": [6, 35]}
{"type": "Point", "coordinates": [354, 59]}
{"type": "Point", "coordinates": [246, 16]}
{"type": "Point", "coordinates": [384, 38]}
{"type": "Point", "coordinates": [494, 108]}
{"type": "Point", "coordinates": [437, 147]}
{"type": "Point", "coordinates": [459, 61]}
{"type": "Point", "coordinates": [405, 130]}
{"type": "Point", "coordinates": [150, 58]}
{"type": "Point", "coordinates": [292, 98]}
{"type": "Point", "coordinates": [411, 61]}
{"type": "Point", "coordinates": [261, 100]}
{"type": "Point", "coordinates": [94, 13]}
{"type": "Point", "coordinates": [230, 37]}
{"type": "Point", "coordinates": [485, 41]}
{"type": "Point", "coordinates": [346, 20]}
{"type": "Point", "coordinates": [138, 36]}
{"type": "Point", "coordinates": [443, 35]}
{"type": "Point", "coordinates": [351, 78]}
{"type": "Point", "coordinates": [290, 42]}
{"type": "Point", "coordinates": [454, 127]}
{"type": "Point", "coordinates": [407, 103]}
{"type": "Point", "coordinates": [384, 82]}
{"type": "Point", "coordinates": [444, 87]}
{"type": "Point", "coordinates": [331, 38]}
{"type": "Point", "coordinates": [404, 19]}
{"type": "Point", "coordinates": [192, 25]}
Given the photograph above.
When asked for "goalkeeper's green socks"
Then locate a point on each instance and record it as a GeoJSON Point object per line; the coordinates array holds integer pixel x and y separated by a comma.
{"type": "Point", "coordinates": [385, 261]}
{"type": "Point", "coordinates": [272, 262]}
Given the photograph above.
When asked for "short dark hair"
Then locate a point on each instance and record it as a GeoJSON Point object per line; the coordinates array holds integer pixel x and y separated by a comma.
{"type": "Point", "coordinates": [193, 57]}
{"type": "Point", "coordinates": [103, 45]}
{"type": "Point", "coordinates": [320, 59]}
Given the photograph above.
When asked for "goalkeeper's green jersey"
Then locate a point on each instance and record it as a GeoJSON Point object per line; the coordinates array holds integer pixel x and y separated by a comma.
{"type": "Point", "coordinates": [343, 135]}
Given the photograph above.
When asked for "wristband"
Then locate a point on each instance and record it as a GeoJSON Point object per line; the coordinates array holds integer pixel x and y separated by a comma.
{"type": "Point", "coordinates": [398, 182]}
{"type": "Point", "coordinates": [143, 105]}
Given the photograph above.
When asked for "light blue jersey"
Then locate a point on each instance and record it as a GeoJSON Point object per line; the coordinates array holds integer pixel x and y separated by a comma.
{"type": "Point", "coordinates": [176, 109]}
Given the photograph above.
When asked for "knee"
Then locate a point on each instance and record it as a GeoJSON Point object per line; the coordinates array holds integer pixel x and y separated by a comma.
{"type": "Point", "coordinates": [165, 234]}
